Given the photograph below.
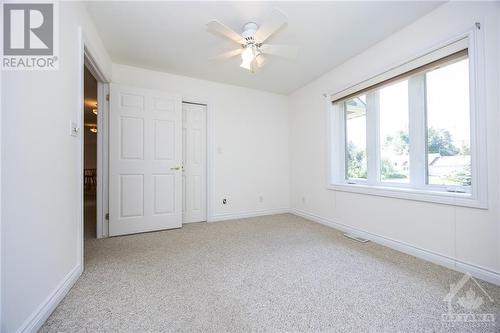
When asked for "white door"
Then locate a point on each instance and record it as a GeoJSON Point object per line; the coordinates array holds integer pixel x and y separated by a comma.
{"type": "Point", "coordinates": [145, 156]}
{"type": "Point", "coordinates": [194, 156]}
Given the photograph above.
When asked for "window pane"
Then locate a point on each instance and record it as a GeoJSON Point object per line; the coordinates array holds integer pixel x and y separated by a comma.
{"type": "Point", "coordinates": [355, 115]}
{"type": "Point", "coordinates": [394, 136]}
{"type": "Point", "coordinates": [448, 125]}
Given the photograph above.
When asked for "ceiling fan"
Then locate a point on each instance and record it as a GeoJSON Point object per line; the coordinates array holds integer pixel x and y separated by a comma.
{"type": "Point", "coordinates": [251, 40]}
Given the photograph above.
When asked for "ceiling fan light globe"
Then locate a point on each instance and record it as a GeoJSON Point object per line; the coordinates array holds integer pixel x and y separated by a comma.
{"type": "Point", "coordinates": [260, 60]}
{"type": "Point", "coordinates": [248, 54]}
{"type": "Point", "coordinates": [247, 64]}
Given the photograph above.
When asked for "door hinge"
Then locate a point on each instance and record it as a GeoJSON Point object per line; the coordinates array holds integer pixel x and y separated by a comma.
{"type": "Point", "coordinates": [106, 216]}
{"type": "Point", "coordinates": [107, 97]}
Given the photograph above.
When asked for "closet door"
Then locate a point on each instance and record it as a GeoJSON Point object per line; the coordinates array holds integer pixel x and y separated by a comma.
{"type": "Point", "coordinates": [195, 162]}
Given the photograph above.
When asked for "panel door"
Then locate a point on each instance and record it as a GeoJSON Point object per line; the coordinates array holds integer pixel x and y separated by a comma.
{"type": "Point", "coordinates": [145, 156]}
{"type": "Point", "coordinates": [194, 161]}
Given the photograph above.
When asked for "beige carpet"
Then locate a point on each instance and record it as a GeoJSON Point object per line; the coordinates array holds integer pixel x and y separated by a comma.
{"type": "Point", "coordinates": [277, 273]}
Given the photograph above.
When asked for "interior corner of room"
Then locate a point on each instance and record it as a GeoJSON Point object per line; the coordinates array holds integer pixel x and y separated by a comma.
{"type": "Point", "coordinates": [250, 167]}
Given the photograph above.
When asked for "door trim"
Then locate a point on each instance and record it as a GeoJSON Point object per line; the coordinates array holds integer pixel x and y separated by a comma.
{"type": "Point", "coordinates": [102, 186]}
{"type": "Point", "coordinates": [102, 143]}
{"type": "Point", "coordinates": [87, 58]}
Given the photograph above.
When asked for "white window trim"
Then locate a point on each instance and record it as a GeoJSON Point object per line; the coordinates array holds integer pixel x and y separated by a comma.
{"type": "Point", "coordinates": [477, 198]}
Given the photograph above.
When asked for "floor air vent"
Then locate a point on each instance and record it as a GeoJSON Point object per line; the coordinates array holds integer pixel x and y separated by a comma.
{"type": "Point", "coordinates": [356, 238]}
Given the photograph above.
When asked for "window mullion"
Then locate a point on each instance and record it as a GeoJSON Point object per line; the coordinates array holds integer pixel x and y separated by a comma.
{"type": "Point", "coordinates": [372, 137]}
{"type": "Point", "coordinates": [417, 130]}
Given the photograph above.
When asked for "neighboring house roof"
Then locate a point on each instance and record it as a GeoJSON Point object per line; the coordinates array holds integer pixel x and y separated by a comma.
{"type": "Point", "coordinates": [451, 161]}
{"type": "Point", "coordinates": [445, 165]}
{"type": "Point", "coordinates": [355, 107]}
{"type": "Point", "coordinates": [432, 158]}
{"type": "Point", "coordinates": [438, 164]}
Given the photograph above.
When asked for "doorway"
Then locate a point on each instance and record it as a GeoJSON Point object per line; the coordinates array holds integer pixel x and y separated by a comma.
{"type": "Point", "coordinates": [93, 118]}
{"type": "Point", "coordinates": [89, 133]}
{"type": "Point", "coordinates": [194, 162]}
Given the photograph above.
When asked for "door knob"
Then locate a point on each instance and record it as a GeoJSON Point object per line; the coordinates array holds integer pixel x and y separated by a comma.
{"type": "Point", "coordinates": [176, 168]}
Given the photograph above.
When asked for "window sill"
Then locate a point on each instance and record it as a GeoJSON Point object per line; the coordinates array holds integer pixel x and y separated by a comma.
{"type": "Point", "coordinates": [446, 198]}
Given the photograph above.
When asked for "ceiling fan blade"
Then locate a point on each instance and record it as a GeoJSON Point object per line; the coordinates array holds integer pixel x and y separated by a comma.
{"type": "Point", "coordinates": [218, 28]}
{"type": "Point", "coordinates": [275, 21]}
{"type": "Point", "coordinates": [228, 54]}
{"type": "Point", "coordinates": [284, 51]}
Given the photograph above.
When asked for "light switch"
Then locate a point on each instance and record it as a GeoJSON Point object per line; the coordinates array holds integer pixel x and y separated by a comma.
{"type": "Point", "coordinates": [74, 130]}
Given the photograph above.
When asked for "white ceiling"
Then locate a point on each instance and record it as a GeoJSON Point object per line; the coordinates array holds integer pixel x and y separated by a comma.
{"type": "Point", "coordinates": [172, 37]}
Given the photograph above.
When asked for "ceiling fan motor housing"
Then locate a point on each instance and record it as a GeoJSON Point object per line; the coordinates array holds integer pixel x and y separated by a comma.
{"type": "Point", "coordinates": [249, 30]}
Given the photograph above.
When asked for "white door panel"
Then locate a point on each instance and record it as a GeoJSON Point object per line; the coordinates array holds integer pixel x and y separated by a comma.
{"type": "Point", "coordinates": [145, 150]}
{"type": "Point", "coordinates": [194, 161]}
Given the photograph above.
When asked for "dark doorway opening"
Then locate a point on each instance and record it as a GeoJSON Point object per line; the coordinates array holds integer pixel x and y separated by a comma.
{"type": "Point", "coordinates": [90, 155]}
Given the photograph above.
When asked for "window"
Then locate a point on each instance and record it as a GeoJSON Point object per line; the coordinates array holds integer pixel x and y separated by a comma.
{"type": "Point", "coordinates": [408, 132]}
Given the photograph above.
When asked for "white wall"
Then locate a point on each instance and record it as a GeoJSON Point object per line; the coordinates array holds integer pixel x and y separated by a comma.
{"type": "Point", "coordinates": [40, 191]}
{"type": "Point", "coordinates": [466, 235]}
{"type": "Point", "coordinates": [250, 140]}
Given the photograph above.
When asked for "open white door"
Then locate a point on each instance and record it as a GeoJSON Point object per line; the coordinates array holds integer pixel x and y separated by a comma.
{"type": "Point", "coordinates": [145, 158]}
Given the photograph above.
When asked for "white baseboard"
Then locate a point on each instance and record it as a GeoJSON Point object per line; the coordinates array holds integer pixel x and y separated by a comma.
{"type": "Point", "coordinates": [439, 259]}
{"type": "Point", "coordinates": [242, 215]}
{"type": "Point", "coordinates": [40, 315]}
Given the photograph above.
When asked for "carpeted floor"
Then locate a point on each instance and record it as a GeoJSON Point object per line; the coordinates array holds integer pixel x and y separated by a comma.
{"type": "Point", "coordinates": [278, 273]}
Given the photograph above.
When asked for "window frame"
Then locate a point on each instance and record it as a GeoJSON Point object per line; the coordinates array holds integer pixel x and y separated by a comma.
{"type": "Point", "coordinates": [418, 189]}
